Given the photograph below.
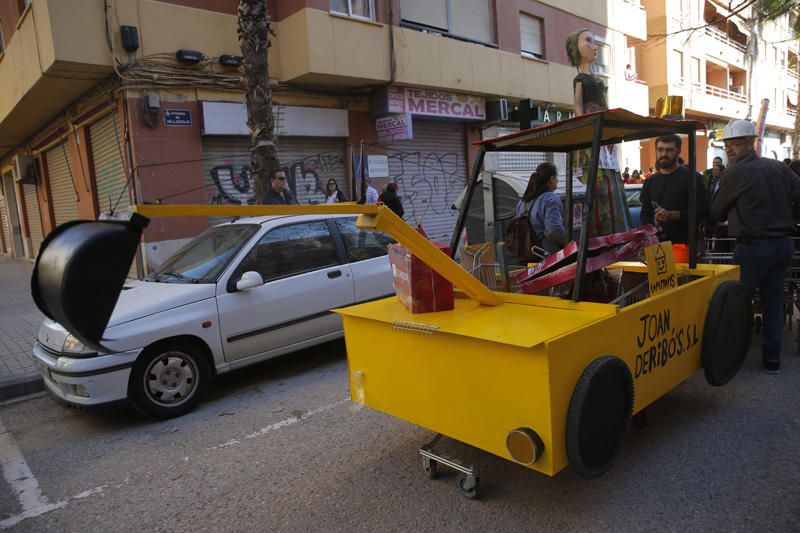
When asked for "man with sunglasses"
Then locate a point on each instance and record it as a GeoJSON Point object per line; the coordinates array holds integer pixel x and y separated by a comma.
{"type": "Point", "coordinates": [278, 192]}
{"type": "Point", "coordinates": [756, 196]}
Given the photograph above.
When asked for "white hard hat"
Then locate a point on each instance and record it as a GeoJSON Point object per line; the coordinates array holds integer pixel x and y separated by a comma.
{"type": "Point", "coordinates": [738, 128]}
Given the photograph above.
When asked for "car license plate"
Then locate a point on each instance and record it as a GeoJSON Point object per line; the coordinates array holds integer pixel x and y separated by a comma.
{"type": "Point", "coordinates": [42, 368]}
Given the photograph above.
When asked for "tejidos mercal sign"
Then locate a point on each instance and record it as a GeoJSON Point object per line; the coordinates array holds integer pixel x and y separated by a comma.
{"type": "Point", "coordinates": [435, 103]}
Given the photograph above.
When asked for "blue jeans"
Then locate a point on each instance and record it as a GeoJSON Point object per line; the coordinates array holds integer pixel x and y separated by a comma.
{"type": "Point", "coordinates": [764, 264]}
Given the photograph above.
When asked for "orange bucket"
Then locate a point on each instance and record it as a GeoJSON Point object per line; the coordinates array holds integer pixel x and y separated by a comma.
{"type": "Point", "coordinates": [681, 253]}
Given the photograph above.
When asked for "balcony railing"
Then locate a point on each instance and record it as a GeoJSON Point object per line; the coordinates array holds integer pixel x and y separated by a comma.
{"type": "Point", "coordinates": [721, 37]}
{"type": "Point", "coordinates": [791, 112]}
{"type": "Point", "coordinates": [719, 92]}
{"type": "Point", "coordinates": [792, 72]}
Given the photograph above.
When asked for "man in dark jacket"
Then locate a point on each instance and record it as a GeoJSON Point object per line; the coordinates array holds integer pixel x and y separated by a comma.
{"type": "Point", "coordinates": [665, 194]}
{"type": "Point", "coordinates": [278, 192]}
{"type": "Point", "coordinates": [756, 196]}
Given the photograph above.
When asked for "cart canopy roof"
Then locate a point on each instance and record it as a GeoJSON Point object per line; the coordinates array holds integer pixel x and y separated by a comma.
{"type": "Point", "coordinates": [577, 133]}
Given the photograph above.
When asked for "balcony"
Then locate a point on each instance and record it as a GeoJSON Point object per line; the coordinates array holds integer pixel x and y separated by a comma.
{"type": "Point", "coordinates": [632, 95]}
{"type": "Point", "coordinates": [630, 18]}
{"type": "Point", "coordinates": [719, 45]}
{"type": "Point", "coordinates": [715, 100]}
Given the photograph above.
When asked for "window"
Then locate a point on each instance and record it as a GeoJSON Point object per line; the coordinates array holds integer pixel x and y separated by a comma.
{"type": "Point", "coordinates": [603, 63]}
{"type": "Point", "coordinates": [359, 244]}
{"type": "Point", "coordinates": [677, 65]}
{"type": "Point", "coordinates": [354, 8]}
{"type": "Point", "coordinates": [696, 71]}
{"type": "Point", "coordinates": [465, 19]}
{"type": "Point", "coordinates": [531, 36]}
{"type": "Point", "coordinates": [290, 250]}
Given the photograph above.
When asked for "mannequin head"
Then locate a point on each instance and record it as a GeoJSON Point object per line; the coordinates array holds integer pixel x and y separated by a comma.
{"type": "Point", "coordinates": [581, 48]}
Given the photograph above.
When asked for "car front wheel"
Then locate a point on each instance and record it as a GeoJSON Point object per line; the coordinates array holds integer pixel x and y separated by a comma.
{"type": "Point", "coordinates": [169, 379]}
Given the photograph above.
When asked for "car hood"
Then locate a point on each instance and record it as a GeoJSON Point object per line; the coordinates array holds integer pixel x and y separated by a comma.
{"type": "Point", "coordinates": [139, 299]}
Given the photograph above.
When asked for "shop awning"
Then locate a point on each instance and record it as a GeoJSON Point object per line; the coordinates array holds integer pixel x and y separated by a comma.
{"type": "Point", "coordinates": [577, 133]}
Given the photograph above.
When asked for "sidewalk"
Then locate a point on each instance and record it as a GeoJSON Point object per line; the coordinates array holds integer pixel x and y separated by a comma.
{"type": "Point", "coordinates": [19, 324]}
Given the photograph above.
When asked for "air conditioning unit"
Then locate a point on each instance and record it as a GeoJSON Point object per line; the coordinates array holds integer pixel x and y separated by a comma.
{"type": "Point", "coordinates": [25, 170]}
{"type": "Point", "coordinates": [497, 111]}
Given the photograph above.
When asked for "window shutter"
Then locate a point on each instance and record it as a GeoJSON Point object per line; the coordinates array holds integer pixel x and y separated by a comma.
{"type": "Point", "coordinates": [530, 32]}
{"type": "Point", "coordinates": [427, 12]}
{"type": "Point", "coordinates": [471, 19]}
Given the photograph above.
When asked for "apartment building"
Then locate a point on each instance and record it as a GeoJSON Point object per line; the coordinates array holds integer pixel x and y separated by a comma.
{"type": "Point", "coordinates": [724, 65]}
{"type": "Point", "coordinates": [98, 109]}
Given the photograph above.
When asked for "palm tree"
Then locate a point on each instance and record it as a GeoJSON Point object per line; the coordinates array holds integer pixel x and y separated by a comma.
{"type": "Point", "coordinates": [254, 31]}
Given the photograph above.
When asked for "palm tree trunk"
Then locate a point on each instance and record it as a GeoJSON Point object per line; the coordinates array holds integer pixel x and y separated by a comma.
{"type": "Point", "coordinates": [253, 33]}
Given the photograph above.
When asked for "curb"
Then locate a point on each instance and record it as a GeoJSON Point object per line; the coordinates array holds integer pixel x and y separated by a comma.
{"type": "Point", "coordinates": [11, 387]}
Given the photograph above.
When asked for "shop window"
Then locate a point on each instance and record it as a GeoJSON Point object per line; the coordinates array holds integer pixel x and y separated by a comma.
{"type": "Point", "coordinates": [354, 8]}
{"type": "Point", "coordinates": [531, 36]}
{"type": "Point", "coordinates": [361, 245]}
{"type": "Point", "coordinates": [469, 20]}
{"type": "Point", "coordinates": [290, 250]}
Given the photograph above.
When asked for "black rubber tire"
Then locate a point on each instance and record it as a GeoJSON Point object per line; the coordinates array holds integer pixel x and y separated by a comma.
{"type": "Point", "coordinates": [598, 416]}
{"type": "Point", "coordinates": [185, 351]}
{"type": "Point", "coordinates": [727, 332]}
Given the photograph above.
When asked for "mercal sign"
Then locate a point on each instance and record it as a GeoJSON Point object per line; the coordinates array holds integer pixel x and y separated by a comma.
{"type": "Point", "coordinates": [433, 103]}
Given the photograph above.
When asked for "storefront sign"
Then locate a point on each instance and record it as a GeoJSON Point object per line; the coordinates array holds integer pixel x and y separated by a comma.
{"type": "Point", "coordinates": [547, 115]}
{"type": "Point", "coordinates": [661, 274]}
{"type": "Point", "coordinates": [229, 118]}
{"type": "Point", "coordinates": [177, 117]}
{"type": "Point", "coordinates": [394, 128]}
{"type": "Point", "coordinates": [378, 166]}
{"type": "Point", "coordinates": [433, 103]}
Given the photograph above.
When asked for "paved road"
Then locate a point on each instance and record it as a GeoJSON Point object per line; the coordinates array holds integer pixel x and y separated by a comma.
{"type": "Point", "coordinates": [278, 448]}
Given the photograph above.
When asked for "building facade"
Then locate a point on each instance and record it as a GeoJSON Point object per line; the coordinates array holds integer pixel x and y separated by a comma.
{"type": "Point", "coordinates": [97, 112]}
{"type": "Point", "coordinates": [724, 65]}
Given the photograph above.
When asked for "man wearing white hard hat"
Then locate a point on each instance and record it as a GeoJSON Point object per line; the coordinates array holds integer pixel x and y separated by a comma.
{"type": "Point", "coordinates": [756, 196]}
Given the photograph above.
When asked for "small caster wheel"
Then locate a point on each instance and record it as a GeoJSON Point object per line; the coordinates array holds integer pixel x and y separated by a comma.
{"type": "Point", "coordinates": [430, 467]}
{"type": "Point", "coordinates": [468, 486]}
{"type": "Point", "coordinates": [757, 322]}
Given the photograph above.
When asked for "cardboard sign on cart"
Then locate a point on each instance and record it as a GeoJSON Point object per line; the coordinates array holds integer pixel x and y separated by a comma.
{"type": "Point", "coordinates": [661, 274]}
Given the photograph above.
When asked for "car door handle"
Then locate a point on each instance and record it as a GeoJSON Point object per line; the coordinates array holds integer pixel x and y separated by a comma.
{"type": "Point", "coordinates": [335, 274]}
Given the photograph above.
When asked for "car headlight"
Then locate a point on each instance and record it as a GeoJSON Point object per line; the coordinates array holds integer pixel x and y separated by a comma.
{"type": "Point", "coordinates": [73, 346]}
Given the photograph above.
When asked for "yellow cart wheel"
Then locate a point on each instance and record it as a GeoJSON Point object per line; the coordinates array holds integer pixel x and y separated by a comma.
{"type": "Point", "coordinates": [599, 413]}
{"type": "Point", "coordinates": [727, 332]}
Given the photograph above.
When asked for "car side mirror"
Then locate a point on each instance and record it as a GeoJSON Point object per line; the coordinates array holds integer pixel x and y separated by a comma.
{"type": "Point", "coordinates": [249, 280]}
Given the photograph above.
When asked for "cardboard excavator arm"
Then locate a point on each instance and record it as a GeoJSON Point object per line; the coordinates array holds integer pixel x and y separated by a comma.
{"type": "Point", "coordinates": [82, 265]}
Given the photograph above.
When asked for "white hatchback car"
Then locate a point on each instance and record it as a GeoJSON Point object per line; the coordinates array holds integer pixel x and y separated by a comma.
{"type": "Point", "coordinates": [240, 293]}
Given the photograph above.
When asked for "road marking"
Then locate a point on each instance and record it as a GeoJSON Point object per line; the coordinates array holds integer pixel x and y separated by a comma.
{"type": "Point", "coordinates": [34, 503]}
{"type": "Point", "coordinates": [277, 425]}
{"type": "Point", "coordinates": [22, 482]}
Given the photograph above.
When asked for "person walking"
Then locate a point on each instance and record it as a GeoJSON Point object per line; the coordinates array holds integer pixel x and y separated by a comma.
{"type": "Point", "coordinates": [278, 193]}
{"type": "Point", "coordinates": [392, 200]}
{"type": "Point", "coordinates": [371, 194]}
{"type": "Point", "coordinates": [756, 196]}
{"type": "Point", "coordinates": [545, 206]}
{"type": "Point", "coordinates": [332, 193]}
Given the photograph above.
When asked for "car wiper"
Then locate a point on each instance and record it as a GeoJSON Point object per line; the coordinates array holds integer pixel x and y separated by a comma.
{"type": "Point", "coordinates": [179, 276]}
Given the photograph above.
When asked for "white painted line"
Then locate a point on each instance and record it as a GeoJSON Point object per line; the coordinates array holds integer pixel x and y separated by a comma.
{"type": "Point", "coordinates": [278, 425]}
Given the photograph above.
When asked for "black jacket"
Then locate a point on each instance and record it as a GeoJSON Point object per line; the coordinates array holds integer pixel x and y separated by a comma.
{"type": "Point", "coordinates": [271, 197]}
{"type": "Point", "coordinates": [393, 202]}
{"type": "Point", "coordinates": [756, 195]}
{"type": "Point", "coordinates": [671, 192]}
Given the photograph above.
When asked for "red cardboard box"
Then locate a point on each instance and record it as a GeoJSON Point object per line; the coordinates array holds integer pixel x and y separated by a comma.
{"type": "Point", "coordinates": [418, 286]}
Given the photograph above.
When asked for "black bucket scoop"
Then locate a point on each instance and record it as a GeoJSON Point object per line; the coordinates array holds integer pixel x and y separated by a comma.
{"type": "Point", "coordinates": [79, 273]}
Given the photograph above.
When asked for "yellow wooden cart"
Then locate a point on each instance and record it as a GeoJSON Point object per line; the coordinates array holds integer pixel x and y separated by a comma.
{"type": "Point", "coordinates": [540, 380]}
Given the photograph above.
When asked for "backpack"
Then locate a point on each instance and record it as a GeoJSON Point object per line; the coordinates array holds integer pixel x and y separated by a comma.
{"type": "Point", "coordinates": [520, 237]}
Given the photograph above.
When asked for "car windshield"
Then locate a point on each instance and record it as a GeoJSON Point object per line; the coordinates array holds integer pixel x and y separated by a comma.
{"type": "Point", "coordinates": [204, 258]}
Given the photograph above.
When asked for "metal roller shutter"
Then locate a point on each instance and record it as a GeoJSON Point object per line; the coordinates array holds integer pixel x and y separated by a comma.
{"type": "Point", "coordinates": [34, 217]}
{"type": "Point", "coordinates": [62, 191]}
{"type": "Point", "coordinates": [430, 171]}
{"type": "Point", "coordinates": [108, 164]}
{"type": "Point", "coordinates": [309, 163]}
{"type": "Point", "coordinates": [6, 244]}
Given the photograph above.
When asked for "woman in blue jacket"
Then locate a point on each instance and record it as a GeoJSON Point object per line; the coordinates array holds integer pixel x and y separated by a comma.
{"type": "Point", "coordinates": [545, 208]}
